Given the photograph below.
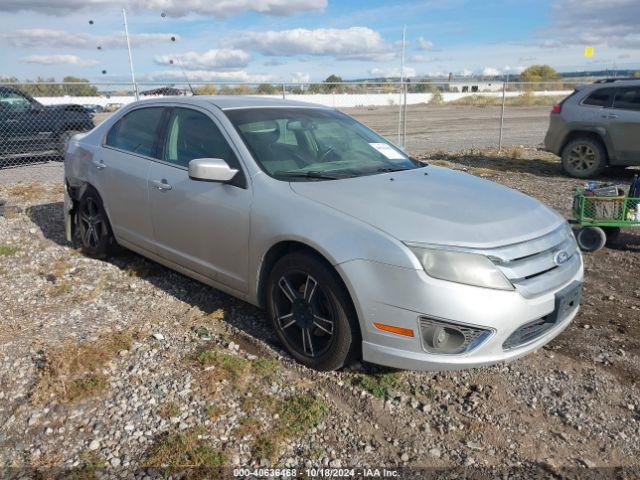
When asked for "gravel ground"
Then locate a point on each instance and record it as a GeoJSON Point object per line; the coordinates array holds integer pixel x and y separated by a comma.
{"type": "Point", "coordinates": [121, 365]}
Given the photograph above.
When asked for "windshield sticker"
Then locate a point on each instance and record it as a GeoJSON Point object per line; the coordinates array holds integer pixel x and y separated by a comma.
{"type": "Point", "coordinates": [388, 151]}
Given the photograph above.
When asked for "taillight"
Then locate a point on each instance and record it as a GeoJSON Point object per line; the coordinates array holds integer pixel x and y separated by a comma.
{"type": "Point", "coordinates": [556, 109]}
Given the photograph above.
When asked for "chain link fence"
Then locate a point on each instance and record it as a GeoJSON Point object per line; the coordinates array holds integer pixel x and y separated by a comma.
{"type": "Point", "coordinates": [37, 119]}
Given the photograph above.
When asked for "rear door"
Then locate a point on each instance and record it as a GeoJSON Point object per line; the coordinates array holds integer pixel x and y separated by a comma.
{"type": "Point", "coordinates": [624, 125]}
{"type": "Point", "coordinates": [203, 226]}
{"type": "Point", "coordinates": [120, 169]}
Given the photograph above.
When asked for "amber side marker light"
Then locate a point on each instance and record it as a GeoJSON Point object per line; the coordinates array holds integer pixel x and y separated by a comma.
{"type": "Point", "coordinates": [405, 332]}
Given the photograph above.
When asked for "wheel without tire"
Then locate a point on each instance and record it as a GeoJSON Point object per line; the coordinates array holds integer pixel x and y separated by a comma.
{"type": "Point", "coordinates": [63, 141]}
{"type": "Point", "coordinates": [591, 239]}
{"type": "Point", "coordinates": [584, 157]}
{"type": "Point", "coordinates": [311, 312]}
{"type": "Point", "coordinates": [93, 225]}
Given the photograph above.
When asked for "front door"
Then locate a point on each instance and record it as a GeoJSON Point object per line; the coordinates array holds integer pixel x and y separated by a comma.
{"type": "Point", "coordinates": [120, 172]}
{"type": "Point", "coordinates": [624, 125]}
{"type": "Point", "coordinates": [203, 226]}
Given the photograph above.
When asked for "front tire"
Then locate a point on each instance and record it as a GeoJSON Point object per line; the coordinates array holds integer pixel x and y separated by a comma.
{"type": "Point", "coordinates": [311, 312]}
{"type": "Point", "coordinates": [584, 157]}
{"type": "Point", "coordinates": [93, 225]}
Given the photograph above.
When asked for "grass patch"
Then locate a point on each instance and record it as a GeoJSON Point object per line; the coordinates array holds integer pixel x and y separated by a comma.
{"type": "Point", "coordinates": [295, 416]}
{"type": "Point", "coordinates": [6, 250]}
{"type": "Point", "coordinates": [185, 450]}
{"type": "Point", "coordinates": [27, 192]}
{"type": "Point", "coordinates": [61, 289]}
{"type": "Point", "coordinates": [72, 372]}
{"type": "Point", "coordinates": [169, 409]}
{"type": "Point", "coordinates": [515, 159]}
{"type": "Point", "coordinates": [236, 369]}
{"type": "Point", "coordinates": [379, 384]}
{"type": "Point", "coordinates": [523, 100]}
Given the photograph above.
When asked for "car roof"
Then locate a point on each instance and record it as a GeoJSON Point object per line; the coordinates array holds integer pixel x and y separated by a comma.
{"type": "Point", "coordinates": [615, 82]}
{"type": "Point", "coordinates": [226, 102]}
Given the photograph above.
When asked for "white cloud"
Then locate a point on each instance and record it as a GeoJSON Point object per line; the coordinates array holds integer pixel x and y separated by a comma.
{"type": "Point", "coordinates": [465, 73]}
{"type": "Point", "coordinates": [212, 59]}
{"type": "Point", "coordinates": [209, 76]}
{"type": "Point", "coordinates": [58, 59]}
{"type": "Point", "coordinates": [215, 8]}
{"type": "Point", "coordinates": [392, 73]}
{"type": "Point", "coordinates": [426, 44]}
{"type": "Point", "coordinates": [355, 43]}
{"type": "Point", "coordinates": [599, 22]}
{"type": "Point", "coordinates": [42, 37]}
{"type": "Point", "coordinates": [300, 77]}
{"type": "Point", "coordinates": [490, 72]}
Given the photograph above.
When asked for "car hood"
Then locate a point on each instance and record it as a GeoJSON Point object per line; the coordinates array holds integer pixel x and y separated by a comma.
{"type": "Point", "coordinates": [438, 206]}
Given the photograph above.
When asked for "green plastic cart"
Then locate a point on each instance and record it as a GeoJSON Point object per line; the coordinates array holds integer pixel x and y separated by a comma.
{"type": "Point", "coordinates": [601, 218]}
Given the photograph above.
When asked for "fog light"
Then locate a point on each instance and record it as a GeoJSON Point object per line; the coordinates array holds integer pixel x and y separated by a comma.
{"type": "Point", "coordinates": [442, 337]}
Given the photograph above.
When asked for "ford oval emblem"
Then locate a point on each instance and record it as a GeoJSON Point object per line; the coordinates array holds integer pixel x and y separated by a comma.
{"type": "Point", "coordinates": [561, 257]}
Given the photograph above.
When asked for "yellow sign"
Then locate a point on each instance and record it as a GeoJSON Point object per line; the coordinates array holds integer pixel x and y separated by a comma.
{"type": "Point", "coordinates": [588, 52]}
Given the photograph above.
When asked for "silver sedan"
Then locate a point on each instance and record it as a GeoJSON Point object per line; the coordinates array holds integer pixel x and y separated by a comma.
{"type": "Point", "coordinates": [354, 249]}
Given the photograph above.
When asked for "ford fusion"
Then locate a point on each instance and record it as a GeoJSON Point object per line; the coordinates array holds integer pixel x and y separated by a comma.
{"type": "Point", "coordinates": [354, 249]}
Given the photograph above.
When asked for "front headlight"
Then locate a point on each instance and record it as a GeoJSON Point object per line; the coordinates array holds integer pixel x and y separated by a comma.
{"type": "Point", "coordinates": [461, 267]}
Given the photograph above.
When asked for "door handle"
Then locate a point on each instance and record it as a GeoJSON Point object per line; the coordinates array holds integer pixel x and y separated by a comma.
{"type": "Point", "coordinates": [613, 116]}
{"type": "Point", "coordinates": [99, 164]}
{"type": "Point", "coordinates": [162, 185]}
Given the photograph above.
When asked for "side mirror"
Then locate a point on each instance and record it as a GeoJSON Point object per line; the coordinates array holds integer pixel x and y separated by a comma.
{"type": "Point", "coordinates": [211, 170]}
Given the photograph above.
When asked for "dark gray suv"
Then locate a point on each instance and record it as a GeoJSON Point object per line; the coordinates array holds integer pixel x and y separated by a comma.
{"type": "Point", "coordinates": [597, 126]}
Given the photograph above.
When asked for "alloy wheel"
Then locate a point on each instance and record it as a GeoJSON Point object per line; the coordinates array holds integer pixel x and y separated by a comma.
{"type": "Point", "coordinates": [305, 313]}
{"type": "Point", "coordinates": [582, 157]}
{"type": "Point", "coordinates": [91, 223]}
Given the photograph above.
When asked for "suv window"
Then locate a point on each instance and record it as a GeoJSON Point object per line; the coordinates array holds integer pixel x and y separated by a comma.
{"type": "Point", "coordinates": [600, 98]}
{"type": "Point", "coordinates": [192, 135]}
{"type": "Point", "coordinates": [137, 131]}
{"type": "Point", "coordinates": [627, 98]}
{"type": "Point", "coordinates": [13, 102]}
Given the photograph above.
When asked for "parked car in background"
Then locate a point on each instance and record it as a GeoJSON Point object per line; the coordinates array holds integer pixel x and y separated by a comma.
{"type": "Point", "coordinates": [93, 108]}
{"type": "Point", "coordinates": [29, 128]}
{"type": "Point", "coordinates": [596, 127]}
{"type": "Point", "coordinates": [112, 107]}
{"type": "Point", "coordinates": [352, 247]}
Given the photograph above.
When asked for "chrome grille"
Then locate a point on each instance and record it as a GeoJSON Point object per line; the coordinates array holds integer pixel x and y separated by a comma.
{"type": "Point", "coordinates": [532, 266]}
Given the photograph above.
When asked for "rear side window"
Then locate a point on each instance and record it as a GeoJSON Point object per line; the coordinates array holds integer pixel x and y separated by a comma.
{"type": "Point", "coordinates": [137, 131]}
{"type": "Point", "coordinates": [627, 98]}
{"type": "Point", "coordinates": [600, 98]}
{"type": "Point", "coordinates": [192, 135]}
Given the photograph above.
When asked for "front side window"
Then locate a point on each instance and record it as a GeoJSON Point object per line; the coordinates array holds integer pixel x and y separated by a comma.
{"type": "Point", "coordinates": [600, 98]}
{"type": "Point", "coordinates": [314, 143]}
{"type": "Point", "coordinates": [192, 135]}
{"type": "Point", "coordinates": [137, 131]}
{"type": "Point", "coordinates": [13, 102]}
{"type": "Point", "coordinates": [628, 99]}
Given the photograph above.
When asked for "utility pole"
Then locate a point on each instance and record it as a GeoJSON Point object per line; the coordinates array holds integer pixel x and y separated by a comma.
{"type": "Point", "coordinates": [126, 34]}
{"type": "Point", "coordinates": [400, 96]}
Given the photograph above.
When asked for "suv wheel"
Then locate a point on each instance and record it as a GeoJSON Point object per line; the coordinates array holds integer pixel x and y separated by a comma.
{"type": "Point", "coordinates": [584, 157]}
{"type": "Point", "coordinates": [311, 312]}
{"type": "Point", "coordinates": [63, 141]}
{"type": "Point", "coordinates": [93, 225]}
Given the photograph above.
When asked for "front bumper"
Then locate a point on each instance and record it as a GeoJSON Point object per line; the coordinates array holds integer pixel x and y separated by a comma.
{"type": "Point", "coordinates": [399, 296]}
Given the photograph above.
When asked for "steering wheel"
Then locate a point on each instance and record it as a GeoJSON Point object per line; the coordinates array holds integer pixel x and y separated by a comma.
{"type": "Point", "coordinates": [326, 152]}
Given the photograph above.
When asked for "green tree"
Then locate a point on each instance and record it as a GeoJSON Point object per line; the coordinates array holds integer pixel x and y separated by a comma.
{"type": "Point", "coordinates": [330, 83]}
{"type": "Point", "coordinates": [637, 74]}
{"type": "Point", "coordinates": [539, 73]}
{"type": "Point", "coordinates": [79, 87]}
{"type": "Point", "coordinates": [266, 89]}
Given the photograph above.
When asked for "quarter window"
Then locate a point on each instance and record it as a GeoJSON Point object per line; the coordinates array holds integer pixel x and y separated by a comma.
{"type": "Point", "coordinates": [192, 135]}
{"type": "Point", "coordinates": [628, 99]}
{"type": "Point", "coordinates": [137, 131]}
{"type": "Point", "coordinates": [600, 98]}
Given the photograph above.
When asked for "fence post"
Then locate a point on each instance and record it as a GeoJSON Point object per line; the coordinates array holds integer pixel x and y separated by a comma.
{"type": "Point", "coordinates": [284, 95]}
{"type": "Point", "coordinates": [504, 95]}
{"type": "Point", "coordinates": [404, 119]}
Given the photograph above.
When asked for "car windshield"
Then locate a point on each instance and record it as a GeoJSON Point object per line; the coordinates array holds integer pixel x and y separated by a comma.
{"type": "Point", "coordinates": [310, 144]}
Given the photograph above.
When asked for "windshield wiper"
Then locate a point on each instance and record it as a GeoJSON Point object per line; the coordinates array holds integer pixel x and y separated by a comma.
{"type": "Point", "coordinates": [308, 174]}
{"type": "Point", "coordinates": [392, 169]}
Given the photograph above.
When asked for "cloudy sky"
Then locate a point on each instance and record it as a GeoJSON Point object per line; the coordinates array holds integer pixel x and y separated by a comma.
{"type": "Point", "coordinates": [307, 40]}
